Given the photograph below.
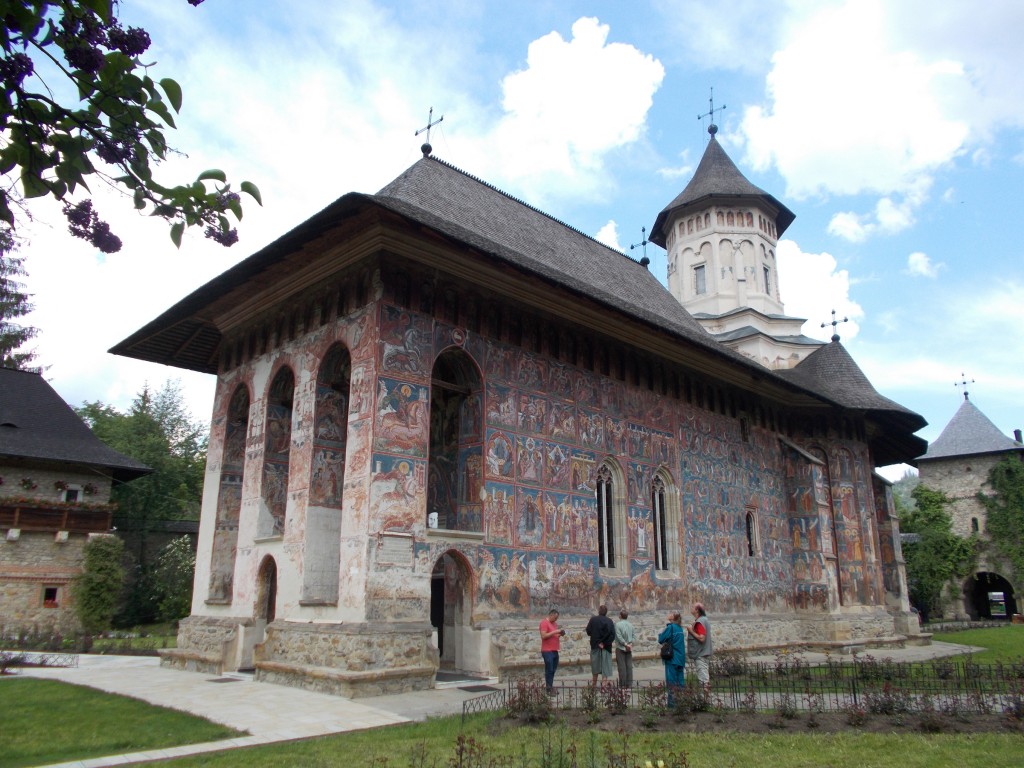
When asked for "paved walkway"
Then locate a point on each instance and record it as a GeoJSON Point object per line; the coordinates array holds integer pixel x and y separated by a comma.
{"type": "Point", "coordinates": [273, 713]}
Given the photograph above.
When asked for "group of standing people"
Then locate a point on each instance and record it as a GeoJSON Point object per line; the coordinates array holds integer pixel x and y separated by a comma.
{"type": "Point", "coordinates": [693, 641]}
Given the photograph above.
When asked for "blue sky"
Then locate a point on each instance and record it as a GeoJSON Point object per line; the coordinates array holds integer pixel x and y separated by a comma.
{"type": "Point", "coordinates": [893, 130]}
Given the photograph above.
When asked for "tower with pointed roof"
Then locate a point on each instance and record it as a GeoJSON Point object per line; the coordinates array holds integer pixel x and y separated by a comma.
{"type": "Point", "coordinates": [721, 234]}
{"type": "Point", "coordinates": [958, 464]}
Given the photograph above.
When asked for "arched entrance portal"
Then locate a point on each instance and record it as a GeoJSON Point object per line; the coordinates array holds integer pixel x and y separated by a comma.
{"type": "Point", "coordinates": [451, 612]}
{"type": "Point", "coordinates": [989, 596]}
{"type": "Point", "coordinates": [264, 611]}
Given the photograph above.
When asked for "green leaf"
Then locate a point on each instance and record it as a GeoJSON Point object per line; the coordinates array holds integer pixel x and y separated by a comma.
{"type": "Point", "coordinates": [173, 91]}
{"type": "Point", "coordinates": [213, 174]}
{"type": "Point", "coordinates": [139, 198]}
{"type": "Point", "coordinates": [33, 185]}
{"type": "Point", "coordinates": [250, 189]}
{"type": "Point", "coordinates": [176, 231]}
{"type": "Point", "coordinates": [160, 108]}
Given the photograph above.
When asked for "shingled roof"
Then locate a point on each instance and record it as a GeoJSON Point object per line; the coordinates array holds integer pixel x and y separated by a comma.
{"type": "Point", "coordinates": [833, 374]}
{"type": "Point", "coordinates": [717, 177]}
{"type": "Point", "coordinates": [439, 196]}
{"type": "Point", "coordinates": [969, 433]}
{"type": "Point", "coordinates": [36, 423]}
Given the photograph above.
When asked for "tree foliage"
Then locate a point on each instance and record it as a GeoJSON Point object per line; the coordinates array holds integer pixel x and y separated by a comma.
{"type": "Point", "coordinates": [159, 431]}
{"type": "Point", "coordinates": [1004, 519]}
{"type": "Point", "coordinates": [14, 303]}
{"type": "Point", "coordinates": [98, 588]}
{"type": "Point", "coordinates": [939, 557]}
{"type": "Point", "coordinates": [112, 128]}
{"type": "Point", "coordinates": [173, 575]}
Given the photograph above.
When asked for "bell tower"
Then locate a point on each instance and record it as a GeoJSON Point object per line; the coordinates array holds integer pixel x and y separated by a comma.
{"type": "Point", "coordinates": [721, 235]}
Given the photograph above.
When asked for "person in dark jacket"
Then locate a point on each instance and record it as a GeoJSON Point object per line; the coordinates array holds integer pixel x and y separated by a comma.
{"type": "Point", "coordinates": [675, 667]}
{"type": "Point", "coordinates": [601, 630]}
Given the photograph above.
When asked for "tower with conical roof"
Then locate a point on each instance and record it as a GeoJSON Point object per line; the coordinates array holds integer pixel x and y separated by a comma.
{"type": "Point", "coordinates": [958, 464]}
{"type": "Point", "coordinates": [721, 234]}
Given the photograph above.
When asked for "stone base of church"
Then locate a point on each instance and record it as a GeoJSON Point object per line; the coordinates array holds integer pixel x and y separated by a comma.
{"type": "Point", "coordinates": [208, 644]}
{"type": "Point", "coordinates": [350, 660]}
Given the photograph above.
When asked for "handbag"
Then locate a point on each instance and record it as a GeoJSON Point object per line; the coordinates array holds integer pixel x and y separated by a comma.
{"type": "Point", "coordinates": [666, 651]}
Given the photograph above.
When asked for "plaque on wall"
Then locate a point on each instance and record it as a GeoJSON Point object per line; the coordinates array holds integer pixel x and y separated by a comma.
{"type": "Point", "coordinates": [394, 549]}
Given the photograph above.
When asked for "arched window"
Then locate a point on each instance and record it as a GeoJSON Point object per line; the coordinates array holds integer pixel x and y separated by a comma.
{"type": "Point", "coordinates": [612, 531]}
{"type": "Point", "coordinates": [605, 518]}
{"type": "Point", "coordinates": [276, 455]}
{"type": "Point", "coordinates": [974, 525]}
{"type": "Point", "coordinates": [229, 499]}
{"type": "Point", "coordinates": [327, 479]}
{"type": "Point", "coordinates": [665, 513]}
{"type": "Point", "coordinates": [751, 528]}
{"type": "Point", "coordinates": [660, 524]}
{"type": "Point", "coordinates": [455, 473]}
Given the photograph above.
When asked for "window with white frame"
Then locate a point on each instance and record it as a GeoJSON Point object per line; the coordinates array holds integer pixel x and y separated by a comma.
{"type": "Point", "coordinates": [700, 285]}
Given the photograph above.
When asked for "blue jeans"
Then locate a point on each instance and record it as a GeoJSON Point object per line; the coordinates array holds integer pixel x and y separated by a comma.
{"type": "Point", "coordinates": [550, 667]}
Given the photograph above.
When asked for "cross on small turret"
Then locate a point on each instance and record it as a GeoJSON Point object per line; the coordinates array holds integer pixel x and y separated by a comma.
{"type": "Point", "coordinates": [426, 148]}
{"type": "Point", "coordinates": [963, 383]}
{"type": "Point", "coordinates": [643, 242]}
{"type": "Point", "coordinates": [834, 323]}
{"type": "Point", "coordinates": [712, 129]}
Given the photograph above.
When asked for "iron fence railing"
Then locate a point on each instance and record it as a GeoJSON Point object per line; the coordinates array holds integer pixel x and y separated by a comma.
{"type": "Point", "coordinates": [884, 687]}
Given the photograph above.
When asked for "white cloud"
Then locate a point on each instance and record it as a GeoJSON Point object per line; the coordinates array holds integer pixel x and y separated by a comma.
{"type": "Point", "coordinates": [811, 286]}
{"type": "Point", "coordinates": [609, 235]}
{"type": "Point", "coordinates": [856, 107]}
{"type": "Point", "coordinates": [920, 265]}
{"type": "Point", "coordinates": [575, 101]}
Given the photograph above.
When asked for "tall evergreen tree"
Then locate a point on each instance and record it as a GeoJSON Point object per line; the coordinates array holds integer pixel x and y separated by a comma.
{"type": "Point", "coordinates": [14, 304]}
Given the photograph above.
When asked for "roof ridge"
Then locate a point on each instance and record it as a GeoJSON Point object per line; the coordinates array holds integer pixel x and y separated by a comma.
{"type": "Point", "coordinates": [533, 208]}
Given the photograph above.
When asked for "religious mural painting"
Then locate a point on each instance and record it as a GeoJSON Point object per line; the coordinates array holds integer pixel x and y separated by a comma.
{"type": "Point", "coordinates": [229, 496]}
{"type": "Point", "coordinates": [277, 453]}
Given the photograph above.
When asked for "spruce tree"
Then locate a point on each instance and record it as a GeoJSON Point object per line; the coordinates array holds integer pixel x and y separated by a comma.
{"type": "Point", "coordinates": [14, 304]}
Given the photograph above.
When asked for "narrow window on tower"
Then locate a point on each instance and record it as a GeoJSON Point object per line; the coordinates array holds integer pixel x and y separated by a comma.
{"type": "Point", "coordinates": [768, 280]}
{"type": "Point", "coordinates": [660, 525]}
{"type": "Point", "coordinates": [699, 280]}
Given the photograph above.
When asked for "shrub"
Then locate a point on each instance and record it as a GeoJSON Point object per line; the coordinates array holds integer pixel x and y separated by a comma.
{"type": "Point", "coordinates": [98, 588]}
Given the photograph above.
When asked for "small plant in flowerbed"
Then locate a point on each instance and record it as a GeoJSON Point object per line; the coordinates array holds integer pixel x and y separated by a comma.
{"type": "Point", "coordinates": [856, 715]}
{"type": "Point", "coordinates": [590, 702]}
{"type": "Point", "coordinates": [887, 700]}
{"type": "Point", "coordinates": [616, 698]}
{"type": "Point", "coordinates": [529, 701]}
{"type": "Point", "coordinates": [815, 705]}
{"type": "Point", "coordinates": [688, 699]}
{"type": "Point", "coordinates": [652, 704]}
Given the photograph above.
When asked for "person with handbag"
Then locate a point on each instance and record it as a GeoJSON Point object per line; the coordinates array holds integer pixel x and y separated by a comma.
{"type": "Point", "coordinates": [673, 654]}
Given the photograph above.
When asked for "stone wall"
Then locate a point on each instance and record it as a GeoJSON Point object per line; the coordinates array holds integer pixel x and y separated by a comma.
{"type": "Point", "coordinates": [44, 481]}
{"type": "Point", "coordinates": [349, 659]}
{"type": "Point", "coordinates": [28, 566]}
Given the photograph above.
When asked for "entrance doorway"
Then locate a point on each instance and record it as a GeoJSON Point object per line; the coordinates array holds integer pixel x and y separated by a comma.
{"type": "Point", "coordinates": [990, 596]}
{"type": "Point", "coordinates": [263, 612]}
{"type": "Point", "coordinates": [451, 609]}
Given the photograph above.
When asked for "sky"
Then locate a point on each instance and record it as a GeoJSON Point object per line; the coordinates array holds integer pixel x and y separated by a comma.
{"type": "Point", "coordinates": [893, 130]}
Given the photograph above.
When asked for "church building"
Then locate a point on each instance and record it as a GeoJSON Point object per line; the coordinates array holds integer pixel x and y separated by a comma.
{"type": "Point", "coordinates": [440, 411]}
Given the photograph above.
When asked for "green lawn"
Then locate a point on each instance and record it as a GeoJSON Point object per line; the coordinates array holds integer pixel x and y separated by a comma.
{"type": "Point", "coordinates": [434, 744]}
{"type": "Point", "coordinates": [46, 721]}
{"type": "Point", "coordinates": [1001, 644]}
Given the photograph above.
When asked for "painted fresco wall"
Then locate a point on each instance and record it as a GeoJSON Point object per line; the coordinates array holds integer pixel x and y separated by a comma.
{"type": "Point", "coordinates": [524, 495]}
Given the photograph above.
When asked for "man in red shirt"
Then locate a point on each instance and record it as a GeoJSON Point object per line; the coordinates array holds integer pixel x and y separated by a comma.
{"type": "Point", "coordinates": [550, 643]}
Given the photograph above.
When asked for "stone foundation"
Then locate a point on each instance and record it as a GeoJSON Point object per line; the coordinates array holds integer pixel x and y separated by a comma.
{"type": "Point", "coordinates": [350, 660]}
{"type": "Point", "coordinates": [206, 644]}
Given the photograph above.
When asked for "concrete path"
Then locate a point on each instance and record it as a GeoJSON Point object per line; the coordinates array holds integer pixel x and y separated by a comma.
{"type": "Point", "coordinates": [274, 713]}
